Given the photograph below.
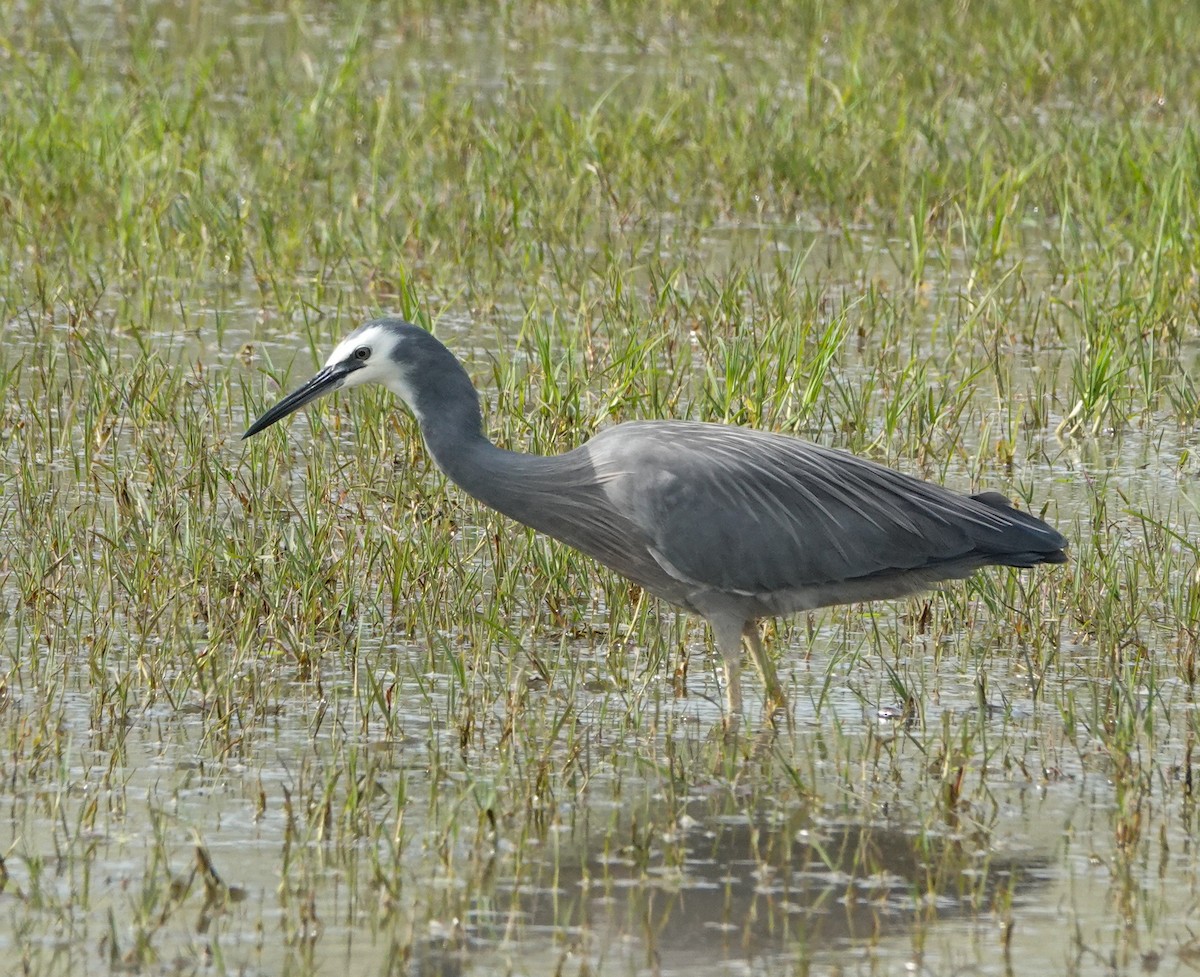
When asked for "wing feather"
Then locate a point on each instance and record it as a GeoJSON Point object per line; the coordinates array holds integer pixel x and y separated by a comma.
{"type": "Point", "coordinates": [750, 512]}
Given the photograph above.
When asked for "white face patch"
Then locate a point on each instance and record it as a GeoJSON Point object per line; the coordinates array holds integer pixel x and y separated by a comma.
{"type": "Point", "coordinates": [379, 365]}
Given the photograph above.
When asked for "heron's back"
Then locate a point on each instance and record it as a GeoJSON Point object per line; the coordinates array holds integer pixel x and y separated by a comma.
{"type": "Point", "coordinates": [788, 524]}
{"type": "Point", "coordinates": [708, 516]}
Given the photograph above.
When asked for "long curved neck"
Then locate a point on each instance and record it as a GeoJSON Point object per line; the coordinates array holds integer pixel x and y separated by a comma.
{"type": "Point", "coordinates": [452, 425]}
{"type": "Point", "coordinates": [519, 485]}
{"type": "Point", "coordinates": [559, 495]}
{"type": "Point", "coordinates": [461, 450]}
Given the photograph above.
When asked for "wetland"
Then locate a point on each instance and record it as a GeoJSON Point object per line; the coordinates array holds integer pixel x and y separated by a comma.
{"type": "Point", "coordinates": [299, 706]}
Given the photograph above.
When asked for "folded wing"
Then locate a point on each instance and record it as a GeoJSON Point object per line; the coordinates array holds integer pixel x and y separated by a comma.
{"type": "Point", "coordinates": [755, 513]}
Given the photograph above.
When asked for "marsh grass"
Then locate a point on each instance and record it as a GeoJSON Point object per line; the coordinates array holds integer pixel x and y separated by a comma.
{"type": "Point", "coordinates": [297, 703]}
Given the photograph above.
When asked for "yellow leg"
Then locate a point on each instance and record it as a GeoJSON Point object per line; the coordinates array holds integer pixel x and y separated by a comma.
{"type": "Point", "coordinates": [733, 686]}
{"type": "Point", "coordinates": [766, 668]}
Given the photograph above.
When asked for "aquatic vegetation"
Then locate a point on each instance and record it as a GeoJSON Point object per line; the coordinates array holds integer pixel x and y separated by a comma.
{"type": "Point", "coordinates": [296, 704]}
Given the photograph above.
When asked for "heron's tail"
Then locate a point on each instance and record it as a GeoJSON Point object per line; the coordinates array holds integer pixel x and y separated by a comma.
{"type": "Point", "coordinates": [1031, 540]}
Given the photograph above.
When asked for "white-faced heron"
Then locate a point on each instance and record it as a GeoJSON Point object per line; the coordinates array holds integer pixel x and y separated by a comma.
{"type": "Point", "coordinates": [729, 523]}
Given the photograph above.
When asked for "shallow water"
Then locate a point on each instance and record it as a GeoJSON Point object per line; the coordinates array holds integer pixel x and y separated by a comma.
{"type": "Point", "coordinates": [984, 782]}
{"type": "Point", "coordinates": [633, 872]}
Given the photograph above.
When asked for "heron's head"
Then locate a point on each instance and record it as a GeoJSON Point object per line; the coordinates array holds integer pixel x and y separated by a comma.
{"type": "Point", "coordinates": [373, 353]}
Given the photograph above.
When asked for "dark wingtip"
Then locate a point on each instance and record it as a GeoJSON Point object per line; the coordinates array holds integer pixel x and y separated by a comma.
{"type": "Point", "coordinates": [1056, 544]}
{"type": "Point", "coordinates": [1030, 558]}
{"type": "Point", "coordinates": [995, 499]}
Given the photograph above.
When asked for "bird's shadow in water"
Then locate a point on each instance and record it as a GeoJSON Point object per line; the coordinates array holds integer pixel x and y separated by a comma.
{"type": "Point", "coordinates": [715, 886]}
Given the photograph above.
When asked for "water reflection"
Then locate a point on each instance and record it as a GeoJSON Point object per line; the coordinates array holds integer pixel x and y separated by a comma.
{"type": "Point", "coordinates": [727, 891]}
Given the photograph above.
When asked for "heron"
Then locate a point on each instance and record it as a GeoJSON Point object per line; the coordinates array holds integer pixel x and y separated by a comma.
{"type": "Point", "coordinates": [729, 523]}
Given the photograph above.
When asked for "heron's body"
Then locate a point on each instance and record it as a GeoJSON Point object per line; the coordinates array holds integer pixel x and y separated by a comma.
{"type": "Point", "coordinates": [730, 523]}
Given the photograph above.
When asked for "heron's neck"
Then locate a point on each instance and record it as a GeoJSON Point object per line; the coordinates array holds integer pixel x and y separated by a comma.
{"type": "Point", "coordinates": [519, 485]}
{"type": "Point", "coordinates": [452, 425]}
{"type": "Point", "coordinates": [469, 459]}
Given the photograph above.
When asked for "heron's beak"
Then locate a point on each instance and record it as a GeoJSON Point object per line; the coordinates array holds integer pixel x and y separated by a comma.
{"type": "Point", "coordinates": [326, 381]}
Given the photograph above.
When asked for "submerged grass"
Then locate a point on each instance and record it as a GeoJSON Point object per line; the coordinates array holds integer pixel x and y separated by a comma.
{"type": "Point", "coordinates": [296, 704]}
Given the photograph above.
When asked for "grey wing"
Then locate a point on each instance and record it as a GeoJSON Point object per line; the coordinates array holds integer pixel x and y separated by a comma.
{"type": "Point", "coordinates": [754, 513]}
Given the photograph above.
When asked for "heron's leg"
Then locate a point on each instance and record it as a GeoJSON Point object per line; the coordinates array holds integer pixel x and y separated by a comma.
{"type": "Point", "coordinates": [681, 667]}
{"type": "Point", "coordinates": [766, 668]}
{"type": "Point", "coordinates": [728, 639]}
{"type": "Point", "coordinates": [733, 686]}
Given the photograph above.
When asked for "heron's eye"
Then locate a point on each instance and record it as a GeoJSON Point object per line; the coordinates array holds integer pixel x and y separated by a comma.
{"type": "Point", "coordinates": [362, 352]}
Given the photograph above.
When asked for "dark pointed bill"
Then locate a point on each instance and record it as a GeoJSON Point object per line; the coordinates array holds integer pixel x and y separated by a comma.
{"type": "Point", "coordinates": [325, 381]}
